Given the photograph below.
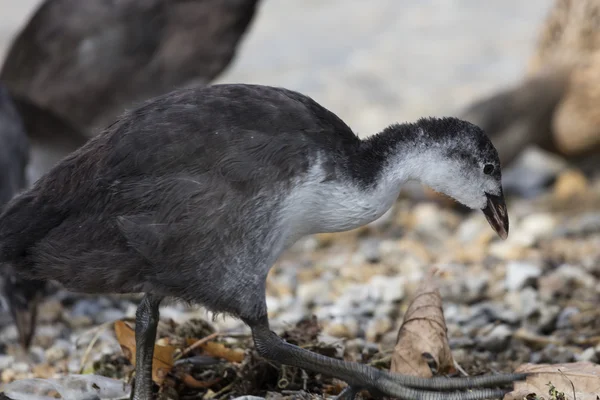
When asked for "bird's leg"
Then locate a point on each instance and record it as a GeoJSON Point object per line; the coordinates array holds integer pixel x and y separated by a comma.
{"type": "Point", "coordinates": [146, 324]}
{"type": "Point", "coordinates": [360, 376]}
{"type": "Point", "coordinates": [23, 297]}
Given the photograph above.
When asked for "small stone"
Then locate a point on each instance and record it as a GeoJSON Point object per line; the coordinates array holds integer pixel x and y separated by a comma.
{"type": "Point", "coordinates": [564, 318]}
{"type": "Point", "coordinates": [21, 367]}
{"type": "Point", "coordinates": [346, 330]}
{"type": "Point", "coordinates": [82, 321]}
{"type": "Point", "coordinates": [59, 351]}
{"type": "Point", "coordinates": [588, 354]}
{"type": "Point", "coordinates": [570, 184]}
{"type": "Point", "coordinates": [7, 375]}
{"type": "Point", "coordinates": [524, 302]}
{"type": "Point", "coordinates": [50, 311]}
{"type": "Point", "coordinates": [86, 307]}
{"type": "Point", "coordinates": [520, 274]}
{"type": "Point", "coordinates": [317, 291]}
{"type": "Point", "coordinates": [109, 315]}
{"type": "Point", "coordinates": [554, 354]}
{"type": "Point", "coordinates": [369, 249]}
{"type": "Point", "coordinates": [585, 224]}
{"type": "Point", "coordinates": [471, 229]}
{"type": "Point", "coordinates": [544, 319]}
{"type": "Point", "coordinates": [499, 313]}
{"type": "Point", "coordinates": [6, 361]}
{"type": "Point", "coordinates": [538, 225]}
{"type": "Point", "coordinates": [476, 286]}
{"type": "Point", "coordinates": [497, 339]}
{"type": "Point", "coordinates": [376, 328]}
{"type": "Point", "coordinates": [36, 353]}
{"type": "Point", "coordinates": [387, 288]}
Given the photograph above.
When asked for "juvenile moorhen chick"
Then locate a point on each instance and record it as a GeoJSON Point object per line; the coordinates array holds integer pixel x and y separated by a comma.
{"type": "Point", "coordinates": [196, 193]}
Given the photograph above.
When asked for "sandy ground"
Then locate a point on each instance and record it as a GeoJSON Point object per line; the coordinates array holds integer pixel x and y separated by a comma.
{"type": "Point", "coordinates": [392, 60]}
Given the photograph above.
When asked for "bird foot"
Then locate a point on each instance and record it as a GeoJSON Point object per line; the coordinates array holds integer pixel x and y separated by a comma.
{"type": "Point", "coordinates": [439, 388]}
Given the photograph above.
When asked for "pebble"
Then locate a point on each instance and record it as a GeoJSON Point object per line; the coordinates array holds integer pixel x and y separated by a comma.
{"type": "Point", "coordinates": [590, 355]}
{"type": "Point", "coordinates": [347, 329]}
{"type": "Point", "coordinates": [544, 319]}
{"type": "Point", "coordinates": [370, 250]}
{"type": "Point", "coordinates": [59, 351]}
{"type": "Point", "coordinates": [37, 354]}
{"type": "Point", "coordinates": [376, 328]}
{"type": "Point", "coordinates": [570, 184]}
{"type": "Point", "coordinates": [497, 338]}
{"type": "Point", "coordinates": [86, 307]}
{"type": "Point", "coordinates": [564, 318]}
{"type": "Point", "coordinates": [553, 354]}
{"type": "Point", "coordinates": [520, 274]}
{"type": "Point", "coordinates": [314, 292]}
{"type": "Point", "coordinates": [525, 302]}
{"type": "Point", "coordinates": [6, 361]}
{"type": "Point", "coordinates": [21, 367]}
{"type": "Point", "coordinates": [387, 289]}
{"type": "Point", "coordinates": [109, 315]}
{"type": "Point", "coordinates": [537, 225]}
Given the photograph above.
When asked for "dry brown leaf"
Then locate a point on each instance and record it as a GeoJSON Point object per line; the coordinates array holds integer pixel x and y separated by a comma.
{"type": "Point", "coordinates": [422, 343]}
{"type": "Point", "coordinates": [583, 378]}
{"type": "Point", "coordinates": [219, 350]}
{"type": "Point", "coordinates": [162, 362]}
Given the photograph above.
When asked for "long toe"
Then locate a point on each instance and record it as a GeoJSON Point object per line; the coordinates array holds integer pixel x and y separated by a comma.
{"type": "Point", "coordinates": [445, 384]}
{"type": "Point", "coordinates": [391, 388]}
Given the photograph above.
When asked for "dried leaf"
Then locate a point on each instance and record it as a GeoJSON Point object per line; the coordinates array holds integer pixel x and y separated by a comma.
{"type": "Point", "coordinates": [162, 362]}
{"type": "Point", "coordinates": [219, 350]}
{"type": "Point", "coordinates": [583, 378]}
{"type": "Point", "coordinates": [422, 346]}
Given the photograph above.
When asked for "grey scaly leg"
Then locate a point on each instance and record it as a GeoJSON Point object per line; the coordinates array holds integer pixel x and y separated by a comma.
{"type": "Point", "coordinates": [146, 323]}
{"type": "Point", "coordinates": [358, 376]}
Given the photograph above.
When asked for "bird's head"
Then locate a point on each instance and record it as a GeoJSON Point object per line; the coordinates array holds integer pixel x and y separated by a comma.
{"type": "Point", "coordinates": [463, 163]}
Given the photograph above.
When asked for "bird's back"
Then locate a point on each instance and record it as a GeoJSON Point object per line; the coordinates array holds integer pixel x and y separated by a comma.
{"type": "Point", "coordinates": [195, 169]}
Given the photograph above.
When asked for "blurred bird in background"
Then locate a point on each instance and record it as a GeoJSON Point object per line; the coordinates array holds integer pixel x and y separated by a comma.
{"type": "Point", "coordinates": [76, 65]}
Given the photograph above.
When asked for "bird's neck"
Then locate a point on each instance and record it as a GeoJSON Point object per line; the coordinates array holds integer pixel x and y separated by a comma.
{"type": "Point", "coordinates": [398, 154]}
{"type": "Point", "coordinates": [370, 181]}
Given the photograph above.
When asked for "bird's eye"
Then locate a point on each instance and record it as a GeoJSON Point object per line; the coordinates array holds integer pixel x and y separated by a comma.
{"type": "Point", "coordinates": [488, 169]}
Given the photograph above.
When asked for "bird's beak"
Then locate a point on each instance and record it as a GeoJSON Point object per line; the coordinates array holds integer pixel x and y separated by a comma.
{"type": "Point", "coordinates": [495, 213]}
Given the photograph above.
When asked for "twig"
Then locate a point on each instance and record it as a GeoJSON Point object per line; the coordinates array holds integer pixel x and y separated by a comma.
{"type": "Point", "coordinates": [90, 346]}
{"type": "Point", "coordinates": [459, 368]}
{"type": "Point", "coordinates": [197, 344]}
{"type": "Point", "coordinates": [571, 382]}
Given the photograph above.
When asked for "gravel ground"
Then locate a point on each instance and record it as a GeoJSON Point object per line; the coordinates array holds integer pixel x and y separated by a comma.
{"type": "Point", "coordinates": [532, 298]}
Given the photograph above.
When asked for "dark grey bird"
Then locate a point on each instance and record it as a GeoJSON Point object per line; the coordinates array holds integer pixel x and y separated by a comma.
{"type": "Point", "coordinates": [196, 193]}
{"type": "Point", "coordinates": [86, 61]}
{"type": "Point", "coordinates": [49, 139]}
{"type": "Point", "coordinates": [14, 158]}
{"type": "Point", "coordinates": [76, 65]}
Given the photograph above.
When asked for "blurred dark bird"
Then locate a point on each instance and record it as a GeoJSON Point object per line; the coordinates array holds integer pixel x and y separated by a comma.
{"type": "Point", "coordinates": [86, 61]}
{"type": "Point", "coordinates": [76, 65]}
{"type": "Point", "coordinates": [195, 194]}
{"type": "Point", "coordinates": [32, 140]}
{"type": "Point", "coordinates": [14, 156]}
{"type": "Point", "coordinates": [557, 106]}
